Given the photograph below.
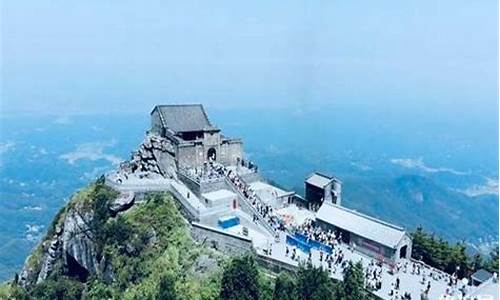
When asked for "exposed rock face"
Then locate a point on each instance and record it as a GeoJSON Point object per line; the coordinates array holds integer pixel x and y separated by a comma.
{"type": "Point", "coordinates": [72, 245]}
{"type": "Point", "coordinates": [155, 155]}
{"type": "Point", "coordinates": [154, 158]}
{"type": "Point", "coordinates": [204, 263]}
{"type": "Point", "coordinates": [122, 203]}
{"type": "Point", "coordinates": [78, 241]}
{"type": "Point", "coordinates": [53, 253]}
{"type": "Point", "coordinates": [52, 250]}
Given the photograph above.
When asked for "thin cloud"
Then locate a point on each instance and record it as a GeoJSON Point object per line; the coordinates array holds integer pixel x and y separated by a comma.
{"type": "Point", "coordinates": [6, 147]}
{"type": "Point", "coordinates": [489, 188]}
{"type": "Point", "coordinates": [411, 163]}
{"type": "Point", "coordinates": [91, 151]}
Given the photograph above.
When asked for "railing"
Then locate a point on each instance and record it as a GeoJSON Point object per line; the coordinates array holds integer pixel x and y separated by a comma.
{"type": "Point", "coordinates": [441, 272]}
{"type": "Point", "coordinates": [250, 207]}
{"type": "Point", "coordinates": [198, 179]}
{"type": "Point", "coordinates": [147, 186]}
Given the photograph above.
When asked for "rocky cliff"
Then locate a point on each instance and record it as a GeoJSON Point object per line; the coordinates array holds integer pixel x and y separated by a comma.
{"type": "Point", "coordinates": [102, 245]}
{"type": "Point", "coordinates": [71, 242]}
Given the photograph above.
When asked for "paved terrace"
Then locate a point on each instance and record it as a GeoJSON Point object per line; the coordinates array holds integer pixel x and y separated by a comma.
{"type": "Point", "coordinates": [411, 283]}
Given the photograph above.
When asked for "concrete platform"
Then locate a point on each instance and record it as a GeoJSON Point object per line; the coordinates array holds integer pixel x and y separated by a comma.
{"type": "Point", "coordinates": [411, 283]}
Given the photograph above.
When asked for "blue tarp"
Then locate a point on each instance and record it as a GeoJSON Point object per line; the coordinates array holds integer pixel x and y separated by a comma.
{"type": "Point", "coordinates": [313, 244]}
{"type": "Point", "coordinates": [297, 243]}
{"type": "Point", "coordinates": [228, 222]}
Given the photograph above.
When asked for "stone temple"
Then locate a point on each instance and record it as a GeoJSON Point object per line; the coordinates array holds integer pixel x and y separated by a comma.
{"type": "Point", "coordinates": [230, 206]}
{"type": "Point", "coordinates": [193, 138]}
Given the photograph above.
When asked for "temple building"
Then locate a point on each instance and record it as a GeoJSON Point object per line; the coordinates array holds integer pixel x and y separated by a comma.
{"type": "Point", "coordinates": [322, 188]}
{"type": "Point", "coordinates": [368, 235]}
{"type": "Point", "coordinates": [194, 140]}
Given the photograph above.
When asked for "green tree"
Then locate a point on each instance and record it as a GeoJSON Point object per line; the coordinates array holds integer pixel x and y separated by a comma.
{"type": "Point", "coordinates": [285, 287]}
{"type": "Point", "coordinates": [99, 291]}
{"type": "Point", "coordinates": [240, 280]}
{"type": "Point", "coordinates": [439, 254]}
{"type": "Point", "coordinates": [353, 284]}
{"type": "Point", "coordinates": [314, 284]}
{"type": "Point", "coordinates": [492, 264]}
{"type": "Point", "coordinates": [167, 287]}
{"type": "Point", "coordinates": [476, 262]}
{"type": "Point", "coordinates": [58, 287]}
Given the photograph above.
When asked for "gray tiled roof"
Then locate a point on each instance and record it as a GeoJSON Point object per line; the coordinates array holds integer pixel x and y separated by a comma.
{"type": "Point", "coordinates": [362, 225]}
{"type": "Point", "coordinates": [319, 180]}
{"type": "Point", "coordinates": [183, 118]}
{"type": "Point", "coordinates": [482, 275]}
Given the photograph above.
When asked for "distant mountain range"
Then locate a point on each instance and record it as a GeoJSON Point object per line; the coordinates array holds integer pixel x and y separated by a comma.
{"type": "Point", "coordinates": [44, 160]}
{"type": "Point", "coordinates": [414, 200]}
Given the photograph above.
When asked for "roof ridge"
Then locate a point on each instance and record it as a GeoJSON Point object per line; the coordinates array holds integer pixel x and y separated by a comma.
{"type": "Point", "coordinates": [206, 116]}
{"type": "Point", "coordinates": [330, 177]}
{"type": "Point", "coordinates": [322, 174]}
{"type": "Point", "coordinates": [174, 104]}
{"type": "Point", "coordinates": [369, 217]}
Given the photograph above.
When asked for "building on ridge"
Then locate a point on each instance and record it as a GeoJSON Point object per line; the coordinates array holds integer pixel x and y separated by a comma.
{"type": "Point", "coordinates": [321, 188]}
{"type": "Point", "coordinates": [193, 138]}
{"type": "Point", "coordinates": [368, 235]}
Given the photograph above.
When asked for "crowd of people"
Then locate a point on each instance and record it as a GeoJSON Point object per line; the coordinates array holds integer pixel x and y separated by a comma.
{"type": "Point", "coordinates": [209, 171]}
{"type": "Point", "coordinates": [336, 260]}
{"type": "Point", "coordinates": [373, 272]}
{"type": "Point", "coordinates": [315, 233]}
{"type": "Point", "coordinates": [373, 276]}
{"type": "Point", "coordinates": [247, 164]}
{"type": "Point", "coordinates": [262, 210]}
{"type": "Point", "coordinates": [455, 287]}
{"type": "Point", "coordinates": [333, 262]}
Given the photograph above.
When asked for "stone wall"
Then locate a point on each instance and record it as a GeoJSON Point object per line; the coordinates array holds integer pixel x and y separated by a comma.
{"type": "Point", "coordinates": [145, 186]}
{"type": "Point", "coordinates": [214, 185]}
{"type": "Point", "coordinates": [188, 211]}
{"type": "Point", "coordinates": [211, 139]}
{"type": "Point", "coordinates": [205, 186]}
{"type": "Point", "coordinates": [192, 154]}
{"type": "Point", "coordinates": [275, 265]}
{"type": "Point", "coordinates": [299, 201]}
{"type": "Point", "coordinates": [228, 243]}
{"type": "Point", "coordinates": [189, 156]}
{"type": "Point", "coordinates": [230, 150]}
{"type": "Point", "coordinates": [190, 183]}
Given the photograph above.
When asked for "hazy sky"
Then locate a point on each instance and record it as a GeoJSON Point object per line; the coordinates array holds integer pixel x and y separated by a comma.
{"type": "Point", "coordinates": [67, 57]}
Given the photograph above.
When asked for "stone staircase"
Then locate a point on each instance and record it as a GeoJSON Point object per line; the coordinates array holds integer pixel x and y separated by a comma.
{"type": "Point", "coordinates": [248, 207]}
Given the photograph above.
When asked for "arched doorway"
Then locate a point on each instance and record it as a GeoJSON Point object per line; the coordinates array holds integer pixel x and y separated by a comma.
{"type": "Point", "coordinates": [211, 155]}
{"type": "Point", "coordinates": [402, 251]}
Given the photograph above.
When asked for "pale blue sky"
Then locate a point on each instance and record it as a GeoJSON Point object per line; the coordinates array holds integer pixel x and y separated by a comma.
{"type": "Point", "coordinates": [64, 57]}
